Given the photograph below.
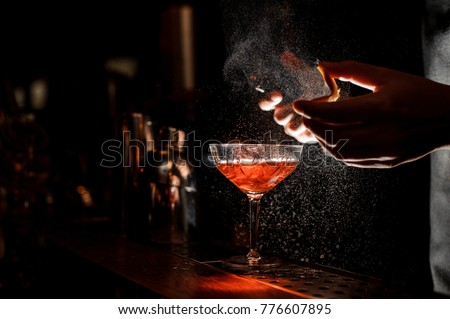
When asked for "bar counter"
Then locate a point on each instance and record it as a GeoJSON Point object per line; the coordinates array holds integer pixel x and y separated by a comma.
{"type": "Point", "coordinates": [186, 271]}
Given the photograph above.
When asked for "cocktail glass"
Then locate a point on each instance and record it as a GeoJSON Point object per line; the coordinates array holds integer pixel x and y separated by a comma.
{"type": "Point", "coordinates": [255, 169]}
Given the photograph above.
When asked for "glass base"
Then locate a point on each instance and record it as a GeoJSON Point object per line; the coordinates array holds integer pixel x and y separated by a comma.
{"type": "Point", "coordinates": [242, 262]}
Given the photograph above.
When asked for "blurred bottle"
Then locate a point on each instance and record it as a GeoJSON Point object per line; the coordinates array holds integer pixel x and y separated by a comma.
{"type": "Point", "coordinates": [157, 197]}
{"type": "Point", "coordinates": [167, 184]}
{"type": "Point", "coordinates": [25, 157]}
{"type": "Point", "coordinates": [25, 197]}
{"type": "Point", "coordinates": [130, 137]}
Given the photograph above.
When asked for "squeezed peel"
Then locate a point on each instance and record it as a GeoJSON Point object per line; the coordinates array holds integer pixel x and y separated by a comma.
{"type": "Point", "coordinates": [331, 83]}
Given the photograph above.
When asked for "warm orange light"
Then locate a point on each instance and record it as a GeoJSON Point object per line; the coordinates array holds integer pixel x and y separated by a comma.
{"type": "Point", "coordinates": [230, 284]}
{"type": "Point", "coordinates": [239, 285]}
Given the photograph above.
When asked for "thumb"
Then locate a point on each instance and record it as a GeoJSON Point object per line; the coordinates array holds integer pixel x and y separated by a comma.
{"type": "Point", "coordinates": [364, 75]}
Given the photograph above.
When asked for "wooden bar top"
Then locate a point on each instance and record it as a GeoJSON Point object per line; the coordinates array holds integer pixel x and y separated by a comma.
{"type": "Point", "coordinates": [163, 272]}
{"type": "Point", "coordinates": [194, 270]}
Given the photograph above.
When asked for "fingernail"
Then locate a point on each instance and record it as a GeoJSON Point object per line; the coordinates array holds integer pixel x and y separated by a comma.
{"type": "Point", "coordinates": [276, 99]}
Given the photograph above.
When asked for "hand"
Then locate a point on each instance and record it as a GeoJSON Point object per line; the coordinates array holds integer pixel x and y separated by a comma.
{"type": "Point", "coordinates": [405, 118]}
{"type": "Point", "coordinates": [284, 113]}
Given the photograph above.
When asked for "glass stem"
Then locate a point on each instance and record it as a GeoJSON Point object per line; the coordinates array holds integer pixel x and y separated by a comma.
{"type": "Point", "coordinates": [254, 207]}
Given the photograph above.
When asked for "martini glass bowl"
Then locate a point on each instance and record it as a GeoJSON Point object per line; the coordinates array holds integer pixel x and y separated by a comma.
{"type": "Point", "coordinates": [255, 169]}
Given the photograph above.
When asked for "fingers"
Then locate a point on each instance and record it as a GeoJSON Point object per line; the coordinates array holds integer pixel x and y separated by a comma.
{"type": "Point", "coordinates": [304, 137]}
{"type": "Point", "coordinates": [331, 134]}
{"type": "Point", "coordinates": [360, 157]}
{"type": "Point", "coordinates": [292, 123]}
{"type": "Point", "coordinates": [361, 74]}
{"type": "Point", "coordinates": [374, 164]}
{"type": "Point", "coordinates": [295, 126]}
{"type": "Point", "coordinates": [271, 101]}
{"type": "Point", "coordinates": [351, 110]}
{"type": "Point", "coordinates": [366, 146]}
{"type": "Point", "coordinates": [351, 142]}
{"type": "Point", "coordinates": [283, 114]}
{"type": "Point", "coordinates": [298, 130]}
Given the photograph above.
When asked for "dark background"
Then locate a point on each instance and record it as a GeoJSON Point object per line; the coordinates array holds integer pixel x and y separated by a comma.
{"type": "Point", "coordinates": [373, 222]}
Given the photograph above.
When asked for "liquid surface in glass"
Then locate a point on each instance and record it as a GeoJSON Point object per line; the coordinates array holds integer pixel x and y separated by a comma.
{"type": "Point", "coordinates": [259, 177]}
